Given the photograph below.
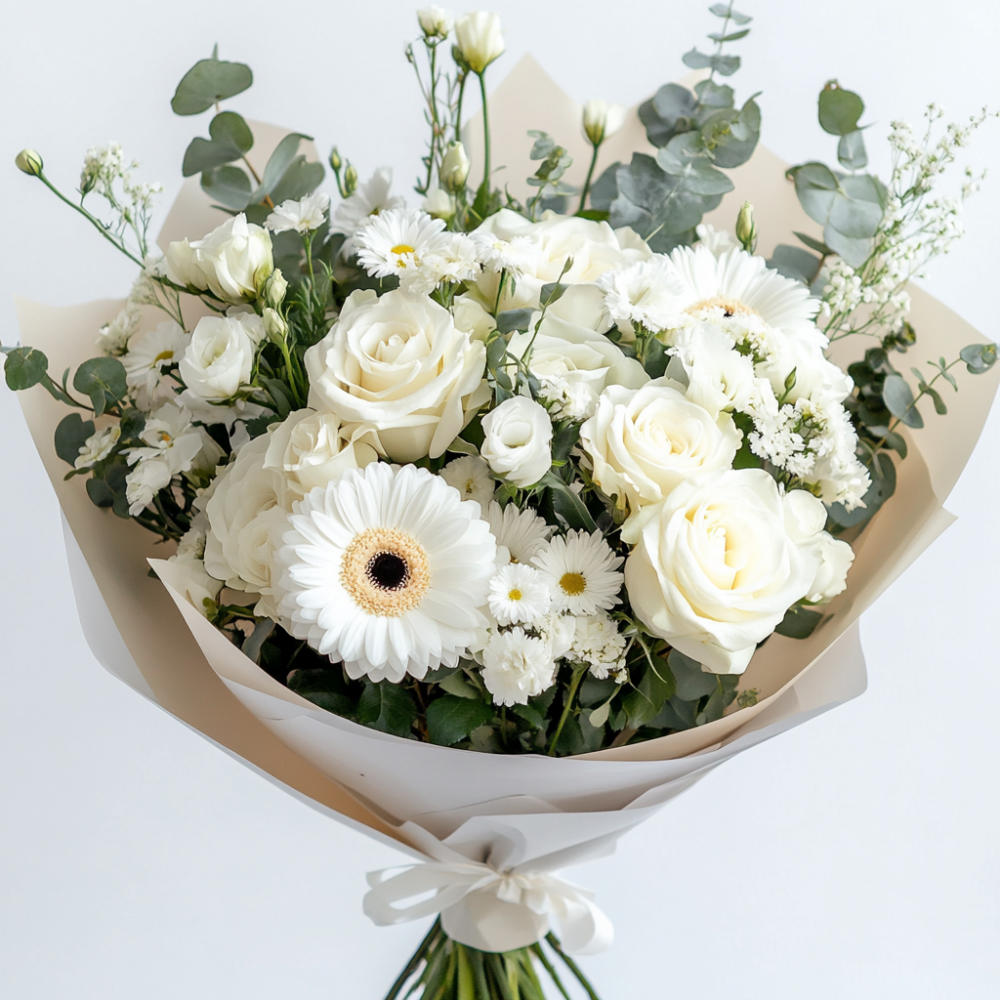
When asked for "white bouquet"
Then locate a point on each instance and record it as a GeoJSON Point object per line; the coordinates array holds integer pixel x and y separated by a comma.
{"type": "Point", "coordinates": [457, 492]}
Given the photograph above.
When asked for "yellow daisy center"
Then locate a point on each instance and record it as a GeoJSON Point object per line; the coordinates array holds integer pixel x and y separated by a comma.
{"type": "Point", "coordinates": [402, 248]}
{"type": "Point", "coordinates": [514, 595]}
{"type": "Point", "coordinates": [731, 307]}
{"type": "Point", "coordinates": [573, 583]}
{"type": "Point", "coordinates": [163, 356]}
{"type": "Point", "coordinates": [386, 572]}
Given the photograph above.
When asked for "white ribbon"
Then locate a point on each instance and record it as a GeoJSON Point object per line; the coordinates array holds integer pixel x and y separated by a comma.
{"type": "Point", "coordinates": [488, 909]}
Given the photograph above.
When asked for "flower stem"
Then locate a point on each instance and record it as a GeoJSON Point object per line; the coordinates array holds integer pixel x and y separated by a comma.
{"type": "Point", "coordinates": [578, 672]}
{"type": "Point", "coordinates": [556, 945]}
{"type": "Point", "coordinates": [590, 177]}
{"type": "Point", "coordinates": [486, 131]}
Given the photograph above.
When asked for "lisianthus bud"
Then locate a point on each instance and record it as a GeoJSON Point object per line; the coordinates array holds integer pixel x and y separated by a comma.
{"type": "Point", "coordinates": [454, 170]}
{"type": "Point", "coordinates": [601, 120]}
{"type": "Point", "coordinates": [439, 204]}
{"type": "Point", "coordinates": [274, 289]}
{"type": "Point", "coordinates": [350, 179]}
{"type": "Point", "coordinates": [435, 22]}
{"type": "Point", "coordinates": [275, 326]}
{"type": "Point", "coordinates": [29, 161]}
{"type": "Point", "coordinates": [479, 39]}
{"type": "Point", "coordinates": [746, 228]}
{"type": "Point", "coordinates": [335, 160]}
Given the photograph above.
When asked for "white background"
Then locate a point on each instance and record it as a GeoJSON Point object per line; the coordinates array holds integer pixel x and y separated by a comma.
{"type": "Point", "coordinates": [855, 857]}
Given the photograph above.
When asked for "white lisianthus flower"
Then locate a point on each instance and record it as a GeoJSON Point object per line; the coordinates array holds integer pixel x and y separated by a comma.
{"type": "Point", "coordinates": [805, 519]}
{"type": "Point", "coordinates": [149, 352]}
{"type": "Point", "coordinates": [385, 571]}
{"type": "Point", "coordinates": [399, 242]}
{"type": "Point", "coordinates": [470, 475]}
{"type": "Point", "coordinates": [583, 572]}
{"type": "Point", "coordinates": [517, 666]}
{"type": "Point", "coordinates": [479, 39]}
{"type": "Point", "coordinates": [435, 22]}
{"type": "Point", "coordinates": [574, 364]}
{"type": "Point", "coordinates": [518, 442]}
{"type": "Point", "coordinates": [519, 595]}
{"type": "Point", "coordinates": [371, 198]}
{"type": "Point", "coordinates": [713, 569]}
{"type": "Point", "coordinates": [232, 261]}
{"type": "Point", "coordinates": [439, 204]}
{"type": "Point", "coordinates": [313, 449]}
{"type": "Point", "coordinates": [247, 508]}
{"type": "Point", "coordinates": [644, 443]}
{"type": "Point", "coordinates": [601, 119]}
{"type": "Point", "coordinates": [219, 357]}
{"type": "Point", "coordinates": [398, 365]}
{"type": "Point", "coordinates": [455, 167]}
{"type": "Point", "coordinates": [520, 534]}
{"type": "Point", "coordinates": [303, 216]}
{"type": "Point", "coordinates": [97, 447]}
{"type": "Point", "coordinates": [168, 434]}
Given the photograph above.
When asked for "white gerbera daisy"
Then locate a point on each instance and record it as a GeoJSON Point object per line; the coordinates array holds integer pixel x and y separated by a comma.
{"type": "Point", "coordinates": [470, 475]}
{"type": "Point", "coordinates": [371, 198]}
{"type": "Point", "coordinates": [401, 242]}
{"type": "Point", "coordinates": [516, 256]}
{"type": "Point", "coordinates": [385, 569]}
{"type": "Point", "coordinates": [149, 352]}
{"type": "Point", "coordinates": [303, 216]}
{"type": "Point", "coordinates": [519, 594]}
{"type": "Point", "coordinates": [520, 534]}
{"type": "Point", "coordinates": [516, 667]}
{"type": "Point", "coordinates": [738, 283]}
{"type": "Point", "coordinates": [583, 571]}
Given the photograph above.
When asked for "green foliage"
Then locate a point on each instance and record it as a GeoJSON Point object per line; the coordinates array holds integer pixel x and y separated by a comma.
{"type": "Point", "coordinates": [979, 358]}
{"type": "Point", "coordinates": [103, 380]}
{"type": "Point", "coordinates": [451, 719]}
{"type": "Point", "coordinates": [799, 622]}
{"type": "Point", "coordinates": [208, 82]}
{"type": "Point", "coordinates": [71, 434]}
{"type": "Point", "coordinates": [656, 684]}
{"type": "Point", "coordinates": [231, 139]}
{"type": "Point", "coordinates": [387, 708]}
{"type": "Point", "coordinates": [795, 263]}
{"type": "Point", "coordinates": [692, 682]}
{"type": "Point", "coordinates": [24, 367]}
{"type": "Point", "coordinates": [839, 109]}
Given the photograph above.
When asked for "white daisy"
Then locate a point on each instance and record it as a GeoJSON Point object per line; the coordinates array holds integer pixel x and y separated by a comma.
{"type": "Point", "coordinates": [371, 198]}
{"type": "Point", "coordinates": [583, 571]}
{"type": "Point", "coordinates": [520, 534]}
{"type": "Point", "coordinates": [149, 353]}
{"type": "Point", "coordinates": [519, 594]}
{"type": "Point", "coordinates": [403, 243]}
{"type": "Point", "coordinates": [303, 216]}
{"type": "Point", "coordinates": [516, 667]}
{"type": "Point", "coordinates": [516, 255]}
{"type": "Point", "coordinates": [385, 570]}
{"type": "Point", "coordinates": [470, 475]}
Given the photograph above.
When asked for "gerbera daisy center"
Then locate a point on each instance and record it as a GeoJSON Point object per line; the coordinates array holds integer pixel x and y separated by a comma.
{"type": "Point", "coordinates": [573, 583]}
{"type": "Point", "coordinates": [386, 571]}
{"type": "Point", "coordinates": [731, 307]}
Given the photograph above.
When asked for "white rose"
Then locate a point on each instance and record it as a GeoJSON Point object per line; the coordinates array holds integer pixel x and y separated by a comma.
{"type": "Point", "coordinates": [232, 261]}
{"type": "Point", "coordinates": [601, 119]}
{"type": "Point", "coordinates": [805, 518]}
{"type": "Point", "coordinates": [518, 444]}
{"type": "Point", "coordinates": [644, 443]}
{"type": "Point", "coordinates": [471, 318]}
{"type": "Point", "coordinates": [564, 354]}
{"type": "Point", "coordinates": [247, 508]}
{"type": "Point", "coordinates": [219, 358]}
{"type": "Point", "coordinates": [479, 39]}
{"type": "Point", "coordinates": [312, 449]}
{"type": "Point", "coordinates": [713, 569]}
{"type": "Point", "coordinates": [399, 366]}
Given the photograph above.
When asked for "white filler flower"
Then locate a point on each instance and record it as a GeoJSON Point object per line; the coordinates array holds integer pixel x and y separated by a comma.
{"type": "Point", "coordinates": [385, 570]}
{"type": "Point", "coordinates": [583, 571]}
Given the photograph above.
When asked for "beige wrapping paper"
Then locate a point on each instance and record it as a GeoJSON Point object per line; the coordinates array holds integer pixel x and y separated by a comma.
{"type": "Point", "coordinates": [195, 674]}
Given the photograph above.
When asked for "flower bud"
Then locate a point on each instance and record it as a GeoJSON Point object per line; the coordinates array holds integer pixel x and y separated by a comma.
{"type": "Point", "coordinates": [434, 22]}
{"type": "Point", "coordinates": [439, 204]}
{"type": "Point", "coordinates": [479, 39]}
{"type": "Point", "coordinates": [335, 161]}
{"type": "Point", "coordinates": [276, 327]}
{"type": "Point", "coordinates": [746, 228]}
{"type": "Point", "coordinates": [455, 166]}
{"type": "Point", "coordinates": [29, 161]}
{"type": "Point", "coordinates": [274, 289]}
{"type": "Point", "coordinates": [350, 179]}
{"type": "Point", "coordinates": [601, 120]}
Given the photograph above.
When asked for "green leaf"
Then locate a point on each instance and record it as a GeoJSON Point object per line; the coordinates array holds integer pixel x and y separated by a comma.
{"type": "Point", "coordinates": [71, 434]}
{"type": "Point", "coordinates": [733, 36]}
{"type": "Point", "coordinates": [737, 147]}
{"type": "Point", "coordinates": [714, 95]}
{"type": "Point", "coordinates": [229, 186]}
{"type": "Point", "coordinates": [564, 441]}
{"type": "Point", "coordinates": [281, 159]}
{"type": "Point", "coordinates": [509, 320]}
{"type": "Point", "coordinates": [799, 622]}
{"type": "Point", "coordinates": [530, 715]}
{"type": "Point", "coordinates": [816, 186]}
{"type": "Point", "coordinates": [795, 263]}
{"type": "Point", "coordinates": [457, 685]}
{"type": "Point", "coordinates": [387, 708]}
{"type": "Point", "coordinates": [450, 719]}
{"type": "Point", "coordinates": [851, 151]}
{"type": "Point", "coordinates": [103, 380]}
{"type": "Point", "coordinates": [898, 397]}
{"type": "Point", "coordinates": [230, 139]}
{"type": "Point", "coordinates": [101, 495]}
{"type": "Point", "coordinates": [644, 702]}
{"type": "Point", "coordinates": [724, 11]}
{"type": "Point", "coordinates": [719, 700]}
{"type": "Point", "coordinates": [978, 358]}
{"type": "Point", "coordinates": [208, 82]}
{"type": "Point", "coordinates": [883, 473]}
{"type": "Point", "coordinates": [692, 682]}
{"type": "Point", "coordinates": [24, 368]}
{"type": "Point", "coordinates": [818, 245]}
{"type": "Point", "coordinates": [668, 113]}
{"type": "Point", "coordinates": [281, 395]}
{"type": "Point", "coordinates": [854, 251]}
{"type": "Point", "coordinates": [839, 109]}
{"type": "Point", "coordinates": [723, 65]}
{"type": "Point", "coordinates": [299, 180]}
{"type": "Point", "coordinates": [568, 504]}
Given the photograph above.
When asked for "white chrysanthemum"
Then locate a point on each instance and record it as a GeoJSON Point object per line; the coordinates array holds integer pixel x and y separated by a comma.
{"type": "Point", "coordinates": [520, 534]}
{"type": "Point", "coordinates": [371, 198]}
{"type": "Point", "coordinates": [583, 570]}
{"type": "Point", "coordinates": [516, 255]}
{"type": "Point", "coordinates": [519, 594]}
{"type": "Point", "coordinates": [149, 352]}
{"type": "Point", "coordinates": [113, 337]}
{"type": "Point", "coordinates": [470, 475]}
{"type": "Point", "coordinates": [516, 667]}
{"type": "Point", "coordinates": [401, 242]}
{"type": "Point", "coordinates": [385, 569]}
{"type": "Point", "coordinates": [598, 643]}
{"type": "Point", "coordinates": [454, 261]}
{"type": "Point", "coordinates": [303, 216]}
{"type": "Point", "coordinates": [97, 447]}
{"type": "Point", "coordinates": [645, 294]}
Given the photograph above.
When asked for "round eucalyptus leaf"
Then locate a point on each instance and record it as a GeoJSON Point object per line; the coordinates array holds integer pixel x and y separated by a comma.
{"type": "Point", "coordinates": [839, 109]}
